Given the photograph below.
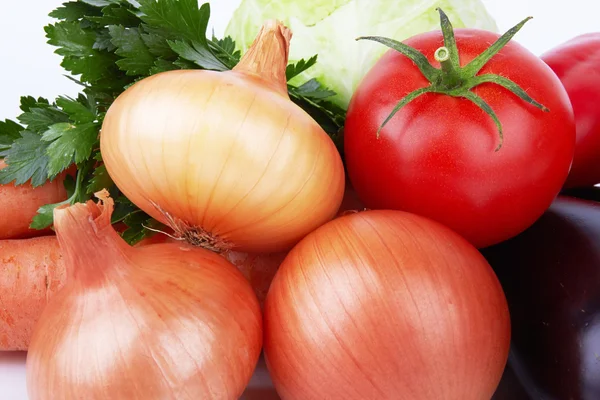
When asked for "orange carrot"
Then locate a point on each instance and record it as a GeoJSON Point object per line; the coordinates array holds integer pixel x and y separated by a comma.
{"type": "Point", "coordinates": [19, 204]}
{"type": "Point", "coordinates": [31, 272]}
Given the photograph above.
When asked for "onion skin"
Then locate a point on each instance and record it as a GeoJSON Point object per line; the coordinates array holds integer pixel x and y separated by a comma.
{"type": "Point", "coordinates": [163, 321]}
{"type": "Point", "coordinates": [23, 201]}
{"type": "Point", "coordinates": [225, 158]}
{"type": "Point", "coordinates": [385, 305]}
{"type": "Point", "coordinates": [260, 268]}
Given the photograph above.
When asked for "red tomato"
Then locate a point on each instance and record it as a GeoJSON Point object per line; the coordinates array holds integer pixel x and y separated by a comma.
{"type": "Point", "coordinates": [436, 155]}
{"type": "Point", "coordinates": [577, 64]}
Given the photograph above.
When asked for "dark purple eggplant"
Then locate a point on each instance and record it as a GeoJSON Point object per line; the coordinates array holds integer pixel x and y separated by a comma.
{"type": "Point", "coordinates": [510, 387]}
{"type": "Point", "coordinates": [551, 276]}
{"type": "Point", "coordinates": [588, 193]}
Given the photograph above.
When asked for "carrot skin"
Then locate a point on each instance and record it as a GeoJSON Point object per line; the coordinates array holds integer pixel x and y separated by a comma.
{"type": "Point", "coordinates": [19, 204]}
{"type": "Point", "coordinates": [31, 272]}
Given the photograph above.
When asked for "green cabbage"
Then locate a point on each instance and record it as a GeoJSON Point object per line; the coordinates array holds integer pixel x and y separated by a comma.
{"type": "Point", "coordinates": [329, 28]}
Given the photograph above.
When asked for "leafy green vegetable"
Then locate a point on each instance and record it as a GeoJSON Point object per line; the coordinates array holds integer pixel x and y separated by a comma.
{"type": "Point", "coordinates": [26, 160]}
{"type": "Point", "coordinates": [137, 59]}
{"type": "Point", "coordinates": [293, 70]}
{"type": "Point", "coordinates": [108, 45]}
{"type": "Point", "coordinates": [329, 28]}
{"type": "Point", "coordinates": [9, 132]}
{"type": "Point", "coordinates": [69, 144]}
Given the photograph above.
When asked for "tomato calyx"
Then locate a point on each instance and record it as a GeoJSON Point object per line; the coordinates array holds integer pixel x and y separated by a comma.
{"type": "Point", "coordinates": [453, 80]}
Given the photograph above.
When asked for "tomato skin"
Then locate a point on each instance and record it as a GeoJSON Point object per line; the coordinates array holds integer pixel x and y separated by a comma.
{"type": "Point", "coordinates": [436, 156]}
{"type": "Point", "coordinates": [577, 64]}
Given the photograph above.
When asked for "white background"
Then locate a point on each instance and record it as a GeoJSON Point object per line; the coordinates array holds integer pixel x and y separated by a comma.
{"type": "Point", "coordinates": [29, 67]}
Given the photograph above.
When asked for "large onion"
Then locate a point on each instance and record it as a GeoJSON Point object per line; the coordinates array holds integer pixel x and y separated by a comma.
{"type": "Point", "coordinates": [383, 305]}
{"type": "Point", "coordinates": [225, 158]}
{"type": "Point", "coordinates": [164, 321]}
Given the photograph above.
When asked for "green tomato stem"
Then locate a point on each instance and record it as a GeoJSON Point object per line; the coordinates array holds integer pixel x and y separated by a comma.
{"type": "Point", "coordinates": [453, 80]}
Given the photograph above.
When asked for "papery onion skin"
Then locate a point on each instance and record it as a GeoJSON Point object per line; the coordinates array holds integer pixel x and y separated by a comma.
{"type": "Point", "coordinates": [226, 157]}
{"type": "Point", "coordinates": [164, 321]}
{"type": "Point", "coordinates": [260, 268]}
{"type": "Point", "coordinates": [385, 305]}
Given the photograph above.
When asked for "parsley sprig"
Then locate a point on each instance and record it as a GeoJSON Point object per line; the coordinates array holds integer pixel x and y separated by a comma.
{"type": "Point", "coordinates": [106, 46]}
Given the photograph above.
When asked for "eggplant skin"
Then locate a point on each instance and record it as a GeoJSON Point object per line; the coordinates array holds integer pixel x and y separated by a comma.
{"type": "Point", "coordinates": [551, 276]}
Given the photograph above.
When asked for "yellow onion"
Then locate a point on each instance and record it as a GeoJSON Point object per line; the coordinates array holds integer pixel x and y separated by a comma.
{"type": "Point", "coordinates": [385, 305]}
{"type": "Point", "coordinates": [226, 159]}
{"type": "Point", "coordinates": [164, 321]}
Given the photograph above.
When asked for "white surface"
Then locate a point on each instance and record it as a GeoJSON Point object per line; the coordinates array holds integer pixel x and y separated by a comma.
{"type": "Point", "coordinates": [29, 67]}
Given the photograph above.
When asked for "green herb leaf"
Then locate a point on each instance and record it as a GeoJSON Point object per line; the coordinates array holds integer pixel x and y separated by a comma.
{"type": "Point", "coordinates": [313, 89]}
{"type": "Point", "coordinates": [26, 160]}
{"type": "Point", "coordinates": [136, 227]}
{"type": "Point", "coordinates": [100, 180]}
{"type": "Point", "coordinates": [224, 50]}
{"type": "Point", "coordinates": [70, 39]}
{"type": "Point", "coordinates": [27, 102]}
{"type": "Point", "coordinates": [294, 70]}
{"type": "Point", "coordinates": [39, 118]}
{"type": "Point", "coordinates": [116, 14]}
{"type": "Point", "coordinates": [197, 54]}
{"type": "Point", "coordinates": [74, 11]}
{"type": "Point", "coordinates": [104, 42]}
{"type": "Point", "coordinates": [183, 19]}
{"type": "Point", "coordinates": [123, 208]}
{"type": "Point", "coordinates": [76, 110]}
{"type": "Point", "coordinates": [70, 144]}
{"type": "Point", "coordinates": [157, 43]}
{"type": "Point", "coordinates": [45, 215]}
{"type": "Point", "coordinates": [9, 132]}
{"type": "Point", "coordinates": [161, 65]}
{"type": "Point", "coordinates": [137, 59]}
{"type": "Point", "coordinates": [101, 3]}
{"type": "Point", "coordinates": [80, 57]}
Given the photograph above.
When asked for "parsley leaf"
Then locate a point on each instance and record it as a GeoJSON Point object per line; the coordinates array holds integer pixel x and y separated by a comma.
{"type": "Point", "coordinates": [80, 57]}
{"type": "Point", "coordinates": [69, 143]}
{"type": "Point", "coordinates": [76, 110]}
{"type": "Point", "coordinates": [38, 118]}
{"type": "Point", "coordinates": [294, 70]}
{"type": "Point", "coordinates": [45, 214]}
{"type": "Point", "coordinates": [100, 180]}
{"type": "Point", "coordinates": [137, 59]}
{"type": "Point", "coordinates": [26, 160]}
{"type": "Point", "coordinates": [197, 54]}
{"type": "Point", "coordinates": [104, 42]}
{"type": "Point", "coordinates": [101, 3]}
{"type": "Point", "coordinates": [225, 50]}
{"type": "Point", "coordinates": [27, 102]}
{"type": "Point", "coordinates": [313, 89]}
{"type": "Point", "coordinates": [116, 14]}
{"type": "Point", "coordinates": [9, 132]}
{"type": "Point", "coordinates": [70, 39]}
{"type": "Point", "coordinates": [183, 19]}
{"type": "Point", "coordinates": [157, 43]}
{"type": "Point", "coordinates": [74, 11]}
{"type": "Point", "coordinates": [136, 227]}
